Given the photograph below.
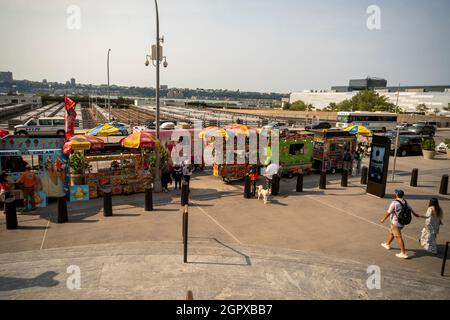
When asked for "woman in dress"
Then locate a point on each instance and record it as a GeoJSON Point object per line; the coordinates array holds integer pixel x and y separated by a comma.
{"type": "Point", "coordinates": [433, 220]}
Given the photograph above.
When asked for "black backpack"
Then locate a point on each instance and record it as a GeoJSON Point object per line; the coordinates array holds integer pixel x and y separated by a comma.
{"type": "Point", "coordinates": [404, 216]}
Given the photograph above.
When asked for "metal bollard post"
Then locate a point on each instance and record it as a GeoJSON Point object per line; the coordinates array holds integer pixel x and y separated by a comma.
{"type": "Point", "coordinates": [11, 213]}
{"type": "Point", "coordinates": [189, 295]}
{"type": "Point", "coordinates": [444, 259]}
{"type": "Point", "coordinates": [184, 194]}
{"type": "Point", "coordinates": [299, 187]}
{"type": "Point", "coordinates": [364, 174]}
{"type": "Point", "coordinates": [148, 199]}
{"type": "Point", "coordinates": [275, 185]}
{"type": "Point", "coordinates": [444, 185]}
{"type": "Point", "coordinates": [344, 178]}
{"type": "Point", "coordinates": [247, 188]}
{"type": "Point", "coordinates": [323, 180]}
{"type": "Point", "coordinates": [414, 177]}
{"type": "Point", "coordinates": [107, 204]}
{"type": "Point", "coordinates": [62, 210]}
{"type": "Point", "coordinates": [185, 232]}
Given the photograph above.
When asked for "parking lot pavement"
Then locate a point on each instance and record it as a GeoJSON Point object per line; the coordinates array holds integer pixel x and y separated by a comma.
{"type": "Point", "coordinates": [336, 223]}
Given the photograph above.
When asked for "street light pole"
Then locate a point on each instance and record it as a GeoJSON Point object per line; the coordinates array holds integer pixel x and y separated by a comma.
{"type": "Point", "coordinates": [397, 137]}
{"type": "Point", "coordinates": [157, 182]}
{"type": "Point", "coordinates": [107, 68]}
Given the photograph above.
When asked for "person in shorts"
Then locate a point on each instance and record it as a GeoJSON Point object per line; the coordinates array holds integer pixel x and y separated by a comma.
{"type": "Point", "coordinates": [395, 229]}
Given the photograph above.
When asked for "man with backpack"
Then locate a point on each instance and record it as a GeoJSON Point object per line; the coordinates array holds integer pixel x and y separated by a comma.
{"type": "Point", "coordinates": [399, 214]}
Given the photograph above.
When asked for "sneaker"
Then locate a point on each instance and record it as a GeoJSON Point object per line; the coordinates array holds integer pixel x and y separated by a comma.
{"type": "Point", "coordinates": [402, 255]}
{"type": "Point", "coordinates": [386, 246]}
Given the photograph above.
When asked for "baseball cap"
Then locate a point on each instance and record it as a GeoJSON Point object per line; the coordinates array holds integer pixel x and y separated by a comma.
{"type": "Point", "coordinates": [399, 193]}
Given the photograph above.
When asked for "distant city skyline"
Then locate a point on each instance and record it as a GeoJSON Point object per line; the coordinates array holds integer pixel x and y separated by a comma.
{"type": "Point", "coordinates": [262, 46]}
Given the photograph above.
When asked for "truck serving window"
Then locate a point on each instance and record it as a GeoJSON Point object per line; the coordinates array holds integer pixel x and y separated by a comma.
{"type": "Point", "coordinates": [296, 149]}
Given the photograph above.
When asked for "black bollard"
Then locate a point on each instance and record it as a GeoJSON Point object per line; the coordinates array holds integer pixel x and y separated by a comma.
{"type": "Point", "coordinates": [275, 185]}
{"type": "Point", "coordinates": [344, 178]}
{"type": "Point", "coordinates": [11, 213]}
{"type": "Point", "coordinates": [323, 180]}
{"type": "Point", "coordinates": [184, 194]}
{"type": "Point", "coordinates": [107, 204]}
{"type": "Point", "coordinates": [444, 185]}
{"type": "Point", "coordinates": [62, 210]}
{"type": "Point", "coordinates": [299, 187]}
{"type": "Point", "coordinates": [247, 188]}
{"type": "Point", "coordinates": [148, 199]}
{"type": "Point", "coordinates": [364, 174]}
{"type": "Point", "coordinates": [185, 233]}
{"type": "Point", "coordinates": [444, 260]}
{"type": "Point", "coordinates": [414, 177]}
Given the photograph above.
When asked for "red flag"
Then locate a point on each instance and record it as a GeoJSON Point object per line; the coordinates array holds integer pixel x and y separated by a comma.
{"type": "Point", "coordinates": [68, 103]}
{"type": "Point", "coordinates": [69, 117]}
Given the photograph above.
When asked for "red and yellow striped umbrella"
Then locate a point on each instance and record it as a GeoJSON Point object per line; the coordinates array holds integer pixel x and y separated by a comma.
{"type": "Point", "coordinates": [81, 142]}
{"type": "Point", "coordinates": [139, 140]}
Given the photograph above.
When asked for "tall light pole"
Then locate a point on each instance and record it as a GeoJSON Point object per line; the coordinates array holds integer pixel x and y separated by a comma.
{"type": "Point", "coordinates": [397, 136]}
{"type": "Point", "coordinates": [107, 68]}
{"type": "Point", "coordinates": [157, 57]}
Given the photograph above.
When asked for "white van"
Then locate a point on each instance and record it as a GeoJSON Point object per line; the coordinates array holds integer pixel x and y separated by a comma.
{"type": "Point", "coordinates": [42, 126]}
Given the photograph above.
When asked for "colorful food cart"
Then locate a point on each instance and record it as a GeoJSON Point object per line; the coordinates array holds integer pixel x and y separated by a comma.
{"type": "Point", "coordinates": [44, 154]}
{"type": "Point", "coordinates": [329, 146]}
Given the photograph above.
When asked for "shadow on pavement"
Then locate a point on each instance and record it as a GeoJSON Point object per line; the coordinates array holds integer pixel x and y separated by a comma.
{"type": "Point", "coordinates": [44, 280]}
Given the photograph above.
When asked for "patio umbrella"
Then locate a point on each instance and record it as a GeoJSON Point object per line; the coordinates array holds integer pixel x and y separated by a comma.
{"type": "Point", "coordinates": [3, 133]}
{"type": "Point", "coordinates": [105, 130]}
{"type": "Point", "coordinates": [358, 129]}
{"type": "Point", "coordinates": [81, 142]}
{"type": "Point", "coordinates": [211, 132]}
{"type": "Point", "coordinates": [139, 140]}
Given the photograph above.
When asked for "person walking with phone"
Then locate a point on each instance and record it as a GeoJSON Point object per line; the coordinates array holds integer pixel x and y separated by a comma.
{"type": "Point", "coordinates": [399, 214]}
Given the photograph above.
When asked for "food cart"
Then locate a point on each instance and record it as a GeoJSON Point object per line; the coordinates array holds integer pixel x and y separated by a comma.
{"type": "Point", "coordinates": [115, 168]}
{"type": "Point", "coordinates": [296, 153]}
{"type": "Point", "coordinates": [44, 154]}
{"type": "Point", "coordinates": [329, 146]}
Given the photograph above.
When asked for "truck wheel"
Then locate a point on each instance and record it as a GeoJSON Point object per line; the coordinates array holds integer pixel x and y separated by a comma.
{"type": "Point", "coordinates": [23, 133]}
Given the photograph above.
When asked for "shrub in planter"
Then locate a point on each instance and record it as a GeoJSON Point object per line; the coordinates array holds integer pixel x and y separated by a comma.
{"type": "Point", "coordinates": [428, 148]}
{"type": "Point", "coordinates": [78, 167]}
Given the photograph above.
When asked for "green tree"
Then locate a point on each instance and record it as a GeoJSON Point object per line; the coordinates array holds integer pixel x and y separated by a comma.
{"type": "Point", "coordinates": [367, 100]}
{"type": "Point", "coordinates": [422, 108]}
{"type": "Point", "coordinates": [436, 111]}
{"type": "Point", "coordinates": [447, 108]}
{"type": "Point", "coordinates": [286, 106]}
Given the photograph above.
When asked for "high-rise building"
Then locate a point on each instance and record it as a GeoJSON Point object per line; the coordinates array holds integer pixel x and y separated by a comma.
{"type": "Point", "coordinates": [72, 82]}
{"type": "Point", "coordinates": [6, 77]}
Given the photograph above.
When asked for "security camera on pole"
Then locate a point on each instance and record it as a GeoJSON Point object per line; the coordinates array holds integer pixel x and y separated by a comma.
{"type": "Point", "coordinates": [157, 57]}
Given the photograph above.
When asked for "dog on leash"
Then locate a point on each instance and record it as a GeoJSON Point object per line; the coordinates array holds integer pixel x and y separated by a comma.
{"type": "Point", "coordinates": [264, 193]}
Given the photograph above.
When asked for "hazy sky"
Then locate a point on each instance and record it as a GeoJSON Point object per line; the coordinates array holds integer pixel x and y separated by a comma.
{"type": "Point", "coordinates": [261, 45]}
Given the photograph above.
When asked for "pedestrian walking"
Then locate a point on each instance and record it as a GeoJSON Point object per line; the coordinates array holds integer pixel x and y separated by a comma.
{"type": "Point", "coordinates": [271, 170]}
{"type": "Point", "coordinates": [433, 220]}
{"type": "Point", "coordinates": [399, 214]}
{"type": "Point", "coordinates": [28, 180]}
{"type": "Point", "coordinates": [253, 174]}
{"type": "Point", "coordinates": [347, 158]}
{"type": "Point", "coordinates": [166, 176]}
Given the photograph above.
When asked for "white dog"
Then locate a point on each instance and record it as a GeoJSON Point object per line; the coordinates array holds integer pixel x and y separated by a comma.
{"type": "Point", "coordinates": [264, 193]}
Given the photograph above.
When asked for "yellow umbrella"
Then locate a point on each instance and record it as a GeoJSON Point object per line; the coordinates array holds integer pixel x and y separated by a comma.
{"type": "Point", "coordinates": [210, 132]}
{"type": "Point", "coordinates": [358, 129]}
{"type": "Point", "coordinates": [104, 130]}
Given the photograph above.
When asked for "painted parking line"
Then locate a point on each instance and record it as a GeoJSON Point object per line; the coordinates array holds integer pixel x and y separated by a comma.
{"type": "Point", "coordinates": [355, 216]}
{"type": "Point", "coordinates": [216, 222]}
{"type": "Point", "coordinates": [45, 233]}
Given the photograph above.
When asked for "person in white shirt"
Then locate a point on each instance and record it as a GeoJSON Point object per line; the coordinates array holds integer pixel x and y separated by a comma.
{"type": "Point", "coordinates": [395, 230]}
{"type": "Point", "coordinates": [187, 172]}
{"type": "Point", "coordinates": [271, 170]}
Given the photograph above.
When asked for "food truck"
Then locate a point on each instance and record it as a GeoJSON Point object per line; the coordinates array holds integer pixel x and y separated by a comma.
{"type": "Point", "coordinates": [45, 156]}
{"type": "Point", "coordinates": [329, 146]}
{"type": "Point", "coordinates": [296, 153]}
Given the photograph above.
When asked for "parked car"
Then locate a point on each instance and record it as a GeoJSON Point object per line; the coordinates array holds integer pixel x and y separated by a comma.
{"type": "Point", "coordinates": [41, 126]}
{"type": "Point", "coordinates": [429, 123]}
{"type": "Point", "coordinates": [124, 128]}
{"type": "Point", "coordinates": [320, 125]}
{"type": "Point", "coordinates": [277, 125]}
{"type": "Point", "coordinates": [408, 145]}
{"type": "Point", "coordinates": [423, 129]}
{"type": "Point", "coordinates": [404, 126]}
{"type": "Point", "coordinates": [441, 147]}
{"type": "Point", "coordinates": [393, 133]}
